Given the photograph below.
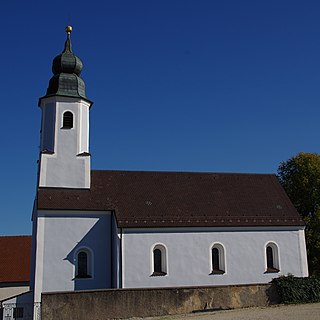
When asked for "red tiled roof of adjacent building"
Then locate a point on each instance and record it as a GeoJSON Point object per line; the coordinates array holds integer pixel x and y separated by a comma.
{"type": "Point", "coordinates": [15, 253]}
{"type": "Point", "coordinates": [179, 199]}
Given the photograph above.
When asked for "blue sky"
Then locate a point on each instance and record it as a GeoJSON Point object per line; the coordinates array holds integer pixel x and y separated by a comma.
{"type": "Point", "coordinates": [177, 85]}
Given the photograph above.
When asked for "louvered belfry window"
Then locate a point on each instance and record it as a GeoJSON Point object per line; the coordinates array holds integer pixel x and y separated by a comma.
{"type": "Point", "coordinates": [67, 120]}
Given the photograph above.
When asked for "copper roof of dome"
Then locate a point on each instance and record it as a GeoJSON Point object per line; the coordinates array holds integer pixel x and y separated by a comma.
{"type": "Point", "coordinates": [66, 69]}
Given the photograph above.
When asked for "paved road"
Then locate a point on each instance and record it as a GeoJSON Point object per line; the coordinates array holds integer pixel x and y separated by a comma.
{"type": "Point", "coordinates": [288, 312]}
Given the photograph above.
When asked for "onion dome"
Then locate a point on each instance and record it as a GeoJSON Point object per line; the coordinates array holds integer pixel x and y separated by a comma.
{"type": "Point", "coordinates": [66, 69]}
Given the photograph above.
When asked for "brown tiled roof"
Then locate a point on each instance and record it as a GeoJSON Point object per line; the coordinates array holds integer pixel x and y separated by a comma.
{"type": "Point", "coordinates": [15, 253]}
{"type": "Point", "coordinates": [170, 199]}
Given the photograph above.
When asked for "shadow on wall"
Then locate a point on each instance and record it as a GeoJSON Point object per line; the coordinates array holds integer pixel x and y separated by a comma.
{"type": "Point", "coordinates": [20, 306]}
{"type": "Point", "coordinates": [91, 257]}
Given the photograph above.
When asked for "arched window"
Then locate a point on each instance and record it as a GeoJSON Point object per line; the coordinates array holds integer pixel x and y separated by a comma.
{"type": "Point", "coordinates": [67, 120]}
{"type": "Point", "coordinates": [217, 259]}
{"type": "Point", "coordinates": [159, 261]}
{"type": "Point", "coordinates": [83, 264]}
{"type": "Point", "coordinates": [272, 258]}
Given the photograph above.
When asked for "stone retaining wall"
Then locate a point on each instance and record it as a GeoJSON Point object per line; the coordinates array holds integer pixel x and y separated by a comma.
{"type": "Point", "coordinates": [127, 303]}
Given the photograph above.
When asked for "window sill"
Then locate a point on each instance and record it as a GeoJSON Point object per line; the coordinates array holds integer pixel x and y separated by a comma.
{"type": "Point", "coordinates": [83, 277]}
{"type": "Point", "coordinates": [272, 270]}
{"type": "Point", "coordinates": [158, 274]}
{"type": "Point", "coordinates": [83, 154]}
{"type": "Point", "coordinates": [217, 272]}
{"type": "Point", "coordinates": [45, 151]}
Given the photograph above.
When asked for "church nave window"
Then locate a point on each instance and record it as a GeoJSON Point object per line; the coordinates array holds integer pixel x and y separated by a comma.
{"type": "Point", "coordinates": [217, 259]}
{"type": "Point", "coordinates": [159, 260]}
{"type": "Point", "coordinates": [272, 258]}
{"type": "Point", "coordinates": [83, 264]}
{"type": "Point", "coordinates": [67, 120]}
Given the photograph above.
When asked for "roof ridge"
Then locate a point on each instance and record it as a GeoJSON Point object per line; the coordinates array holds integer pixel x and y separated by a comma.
{"type": "Point", "coordinates": [189, 172]}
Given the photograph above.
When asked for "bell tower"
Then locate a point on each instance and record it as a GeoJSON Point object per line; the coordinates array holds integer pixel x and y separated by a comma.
{"type": "Point", "coordinates": [64, 142]}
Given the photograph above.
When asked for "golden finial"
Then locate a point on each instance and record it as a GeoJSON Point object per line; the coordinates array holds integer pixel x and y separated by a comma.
{"type": "Point", "coordinates": [68, 29]}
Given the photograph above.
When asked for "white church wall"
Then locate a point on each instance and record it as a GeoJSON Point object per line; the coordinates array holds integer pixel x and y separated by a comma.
{"type": "Point", "coordinates": [83, 129]}
{"type": "Point", "coordinates": [64, 167]}
{"type": "Point", "coordinates": [188, 261]}
{"type": "Point", "coordinates": [303, 252]}
{"type": "Point", "coordinates": [48, 127]}
{"type": "Point", "coordinates": [116, 254]}
{"type": "Point", "coordinates": [33, 246]}
{"type": "Point", "coordinates": [60, 236]}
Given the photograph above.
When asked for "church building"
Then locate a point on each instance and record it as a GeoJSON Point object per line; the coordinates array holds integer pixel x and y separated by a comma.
{"type": "Point", "coordinates": [98, 229]}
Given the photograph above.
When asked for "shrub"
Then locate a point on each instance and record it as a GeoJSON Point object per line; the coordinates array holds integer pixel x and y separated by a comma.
{"type": "Point", "coordinates": [298, 290]}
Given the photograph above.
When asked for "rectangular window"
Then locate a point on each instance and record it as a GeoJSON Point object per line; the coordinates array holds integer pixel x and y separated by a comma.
{"type": "Point", "coordinates": [18, 313]}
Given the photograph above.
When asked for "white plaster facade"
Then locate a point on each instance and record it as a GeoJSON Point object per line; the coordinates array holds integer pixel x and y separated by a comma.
{"type": "Point", "coordinates": [123, 258]}
{"type": "Point", "coordinates": [189, 255]}
{"type": "Point", "coordinates": [60, 235]}
{"type": "Point", "coordinates": [64, 158]}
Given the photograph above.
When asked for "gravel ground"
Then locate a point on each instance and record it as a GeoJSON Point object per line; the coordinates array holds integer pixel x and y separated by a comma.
{"type": "Point", "coordinates": [283, 312]}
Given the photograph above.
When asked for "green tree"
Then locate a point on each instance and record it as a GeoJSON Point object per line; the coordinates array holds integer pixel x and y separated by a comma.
{"type": "Point", "coordinates": [300, 177]}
